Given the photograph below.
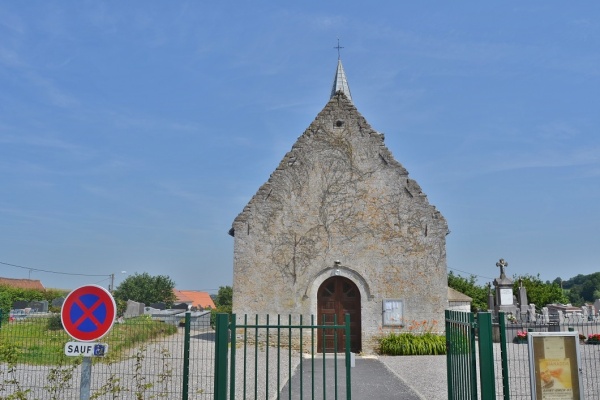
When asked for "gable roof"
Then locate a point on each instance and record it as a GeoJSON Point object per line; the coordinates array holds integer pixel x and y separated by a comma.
{"type": "Point", "coordinates": [22, 283]}
{"type": "Point", "coordinates": [455, 295]}
{"type": "Point", "coordinates": [339, 126]}
{"type": "Point", "coordinates": [194, 298]}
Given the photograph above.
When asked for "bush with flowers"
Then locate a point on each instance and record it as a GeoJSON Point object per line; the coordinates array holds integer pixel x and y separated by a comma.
{"type": "Point", "coordinates": [521, 336]}
{"type": "Point", "coordinates": [416, 338]}
{"type": "Point", "coordinates": [594, 338]}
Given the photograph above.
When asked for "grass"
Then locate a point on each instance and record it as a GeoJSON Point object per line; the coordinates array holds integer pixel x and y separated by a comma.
{"type": "Point", "coordinates": [36, 344]}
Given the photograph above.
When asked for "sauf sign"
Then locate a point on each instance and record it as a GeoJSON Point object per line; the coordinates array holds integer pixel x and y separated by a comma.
{"type": "Point", "coordinates": [88, 313]}
{"type": "Point", "coordinates": [86, 349]}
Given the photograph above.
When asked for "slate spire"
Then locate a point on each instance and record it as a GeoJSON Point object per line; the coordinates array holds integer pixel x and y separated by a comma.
{"type": "Point", "coordinates": [340, 83]}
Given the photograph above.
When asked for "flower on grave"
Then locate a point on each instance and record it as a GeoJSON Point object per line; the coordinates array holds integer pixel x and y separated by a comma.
{"type": "Point", "coordinates": [594, 338]}
{"type": "Point", "coordinates": [511, 318]}
{"type": "Point", "coordinates": [521, 334]}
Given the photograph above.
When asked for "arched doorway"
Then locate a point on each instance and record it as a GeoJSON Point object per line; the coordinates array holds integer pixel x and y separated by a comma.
{"type": "Point", "coordinates": [338, 296]}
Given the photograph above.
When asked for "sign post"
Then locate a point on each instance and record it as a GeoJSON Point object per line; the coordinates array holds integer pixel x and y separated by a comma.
{"type": "Point", "coordinates": [88, 313]}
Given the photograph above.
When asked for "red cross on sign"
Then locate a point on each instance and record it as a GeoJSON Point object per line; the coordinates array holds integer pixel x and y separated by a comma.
{"type": "Point", "coordinates": [88, 313]}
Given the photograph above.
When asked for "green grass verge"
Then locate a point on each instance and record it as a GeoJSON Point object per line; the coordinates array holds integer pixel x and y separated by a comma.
{"type": "Point", "coordinates": [38, 341]}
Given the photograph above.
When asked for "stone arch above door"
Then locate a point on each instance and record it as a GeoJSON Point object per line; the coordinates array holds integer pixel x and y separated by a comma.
{"type": "Point", "coordinates": [317, 279]}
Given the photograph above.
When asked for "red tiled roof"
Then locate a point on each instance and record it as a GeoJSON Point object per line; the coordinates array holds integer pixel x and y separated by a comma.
{"type": "Point", "coordinates": [23, 283]}
{"type": "Point", "coordinates": [195, 298]}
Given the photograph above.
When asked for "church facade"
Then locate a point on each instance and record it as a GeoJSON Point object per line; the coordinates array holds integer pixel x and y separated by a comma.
{"type": "Point", "coordinates": [339, 227]}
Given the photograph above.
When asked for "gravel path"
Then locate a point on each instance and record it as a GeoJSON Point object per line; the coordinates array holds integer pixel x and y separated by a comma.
{"type": "Point", "coordinates": [426, 375]}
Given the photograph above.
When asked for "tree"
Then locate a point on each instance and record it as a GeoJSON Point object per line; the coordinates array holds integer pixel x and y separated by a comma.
{"type": "Point", "coordinates": [468, 286]}
{"type": "Point", "coordinates": [224, 296]}
{"type": "Point", "coordinates": [223, 301]}
{"type": "Point", "coordinates": [146, 289]}
{"type": "Point", "coordinates": [583, 288]}
{"type": "Point", "coordinates": [538, 292]}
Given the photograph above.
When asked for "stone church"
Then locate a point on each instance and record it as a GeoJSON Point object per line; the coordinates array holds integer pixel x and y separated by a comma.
{"type": "Point", "coordinates": [339, 227]}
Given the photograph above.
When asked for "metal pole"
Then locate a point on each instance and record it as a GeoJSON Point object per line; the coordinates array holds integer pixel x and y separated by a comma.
{"type": "Point", "coordinates": [186, 356]}
{"type": "Point", "coordinates": [504, 353]}
{"type": "Point", "coordinates": [486, 356]}
{"type": "Point", "coordinates": [221, 350]}
{"type": "Point", "coordinates": [86, 378]}
{"type": "Point", "coordinates": [348, 357]}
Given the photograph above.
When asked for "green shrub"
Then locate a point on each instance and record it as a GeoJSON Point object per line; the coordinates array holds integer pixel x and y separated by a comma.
{"type": "Point", "coordinates": [55, 323]}
{"type": "Point", "coordinates": [226, 309]}
{"type": "Point", "coordinates": [411, 344]}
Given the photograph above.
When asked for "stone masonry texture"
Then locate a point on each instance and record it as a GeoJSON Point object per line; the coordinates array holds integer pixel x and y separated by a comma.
{"type": "Point", "coordinates": [339, 194]}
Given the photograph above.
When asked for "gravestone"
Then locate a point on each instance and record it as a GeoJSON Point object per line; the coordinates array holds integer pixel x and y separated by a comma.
{"type": "Point", "coordinates": [159, 306]}
{"type": "Point", "coordinates": [58, 302]}
{"type": "Point", "coordinates": [38, 306]}
{"type": "Point", "coordinates": [531, 313]}
{"type": "Point", "coordinates": [134, 309]}
{"type": "Point", "coordinates": [151, 310]}
{"type": "Point", "coordinates": [180, 306]}
{"type": "Point", "coordinates": [545, 314]}
{"type": "Point", "coordinates": [20, 305]}
{"type": "Point", "coordinates": [505, 299]}
{"type": "Point", "coordinates": [490, 301]}
{"type": "Point", "coordinates": [523, 303]}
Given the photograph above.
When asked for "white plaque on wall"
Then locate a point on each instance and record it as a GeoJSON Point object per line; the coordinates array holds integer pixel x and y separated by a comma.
{"type": "Point", "coordinates": [506, 297]}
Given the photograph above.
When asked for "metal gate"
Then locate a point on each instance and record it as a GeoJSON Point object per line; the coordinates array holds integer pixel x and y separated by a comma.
{"type": "Point", "coordinates": [278, 359]}
{"type": "Point", "coordinates": [461, 356]}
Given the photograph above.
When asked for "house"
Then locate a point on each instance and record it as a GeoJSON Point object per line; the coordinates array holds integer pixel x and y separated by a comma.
{"type": "Point", "coordinates": [22, 283]}
{"type": "Point", "coordinates": [194, 298]}
{"type": "Point", "coordinates": [458, 301]}
{"type": "Point", "coordinates": [340, 228]}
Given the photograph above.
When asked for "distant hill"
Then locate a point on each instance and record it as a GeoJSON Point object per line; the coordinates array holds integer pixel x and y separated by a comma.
{"type": "Point", "coordinates": [582, 288]}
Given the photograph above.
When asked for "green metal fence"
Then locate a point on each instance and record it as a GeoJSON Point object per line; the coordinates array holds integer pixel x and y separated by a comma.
{"type": "Point", "coordinates": [146, 359]}
{"type": "Point", "coordinates": [511, 356]}
{"type": "Point", "coordinates": [460, 356]}
{"type": "Point", "coordinates": [277, 359]}
{"type": "Point", "coordinates": [463, 359]}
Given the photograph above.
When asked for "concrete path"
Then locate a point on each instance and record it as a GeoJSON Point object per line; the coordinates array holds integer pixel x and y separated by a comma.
{"type": "Point", "coordinates": [371, 380]}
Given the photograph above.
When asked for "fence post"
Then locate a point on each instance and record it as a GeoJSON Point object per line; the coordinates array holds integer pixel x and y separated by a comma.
{"type": "Point", "coordinates": [504, 355]}
{"type": "Point", "coordinates": [471, 325]}
{"type": "Point", "coordinates": [221, 344]}
{"type": "Point", "coordinates": [348, 358]}
{"type": "Point", "coordinates": [486, 357]}
{"type": "Point", "coordinates": [186, 356]}
{"type": "Point", "coordinates": [233, 328]}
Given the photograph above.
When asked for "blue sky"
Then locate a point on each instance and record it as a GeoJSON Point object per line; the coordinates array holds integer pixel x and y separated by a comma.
{"type": "Point", "coordinates": [133, 133]}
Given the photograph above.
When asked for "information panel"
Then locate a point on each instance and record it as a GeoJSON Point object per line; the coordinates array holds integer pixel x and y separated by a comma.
{"type": "Point", "coordinates": [554, 366]}
{"type": "Point", "coordinates": [393, 312]}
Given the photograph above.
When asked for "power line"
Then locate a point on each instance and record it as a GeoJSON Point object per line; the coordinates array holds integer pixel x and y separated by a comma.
{"type": "Point", "coordinates": [470, 273]}
{"type": "Point", "coordinates": [50, 272]}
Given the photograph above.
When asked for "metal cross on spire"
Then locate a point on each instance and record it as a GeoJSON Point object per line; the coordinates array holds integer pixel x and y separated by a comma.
{"type": "Point", "coordinates": [338, 47]}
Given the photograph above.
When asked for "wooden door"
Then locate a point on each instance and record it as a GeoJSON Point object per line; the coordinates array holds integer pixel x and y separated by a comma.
{"type": "Point", "coordinates": [338, 296]}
